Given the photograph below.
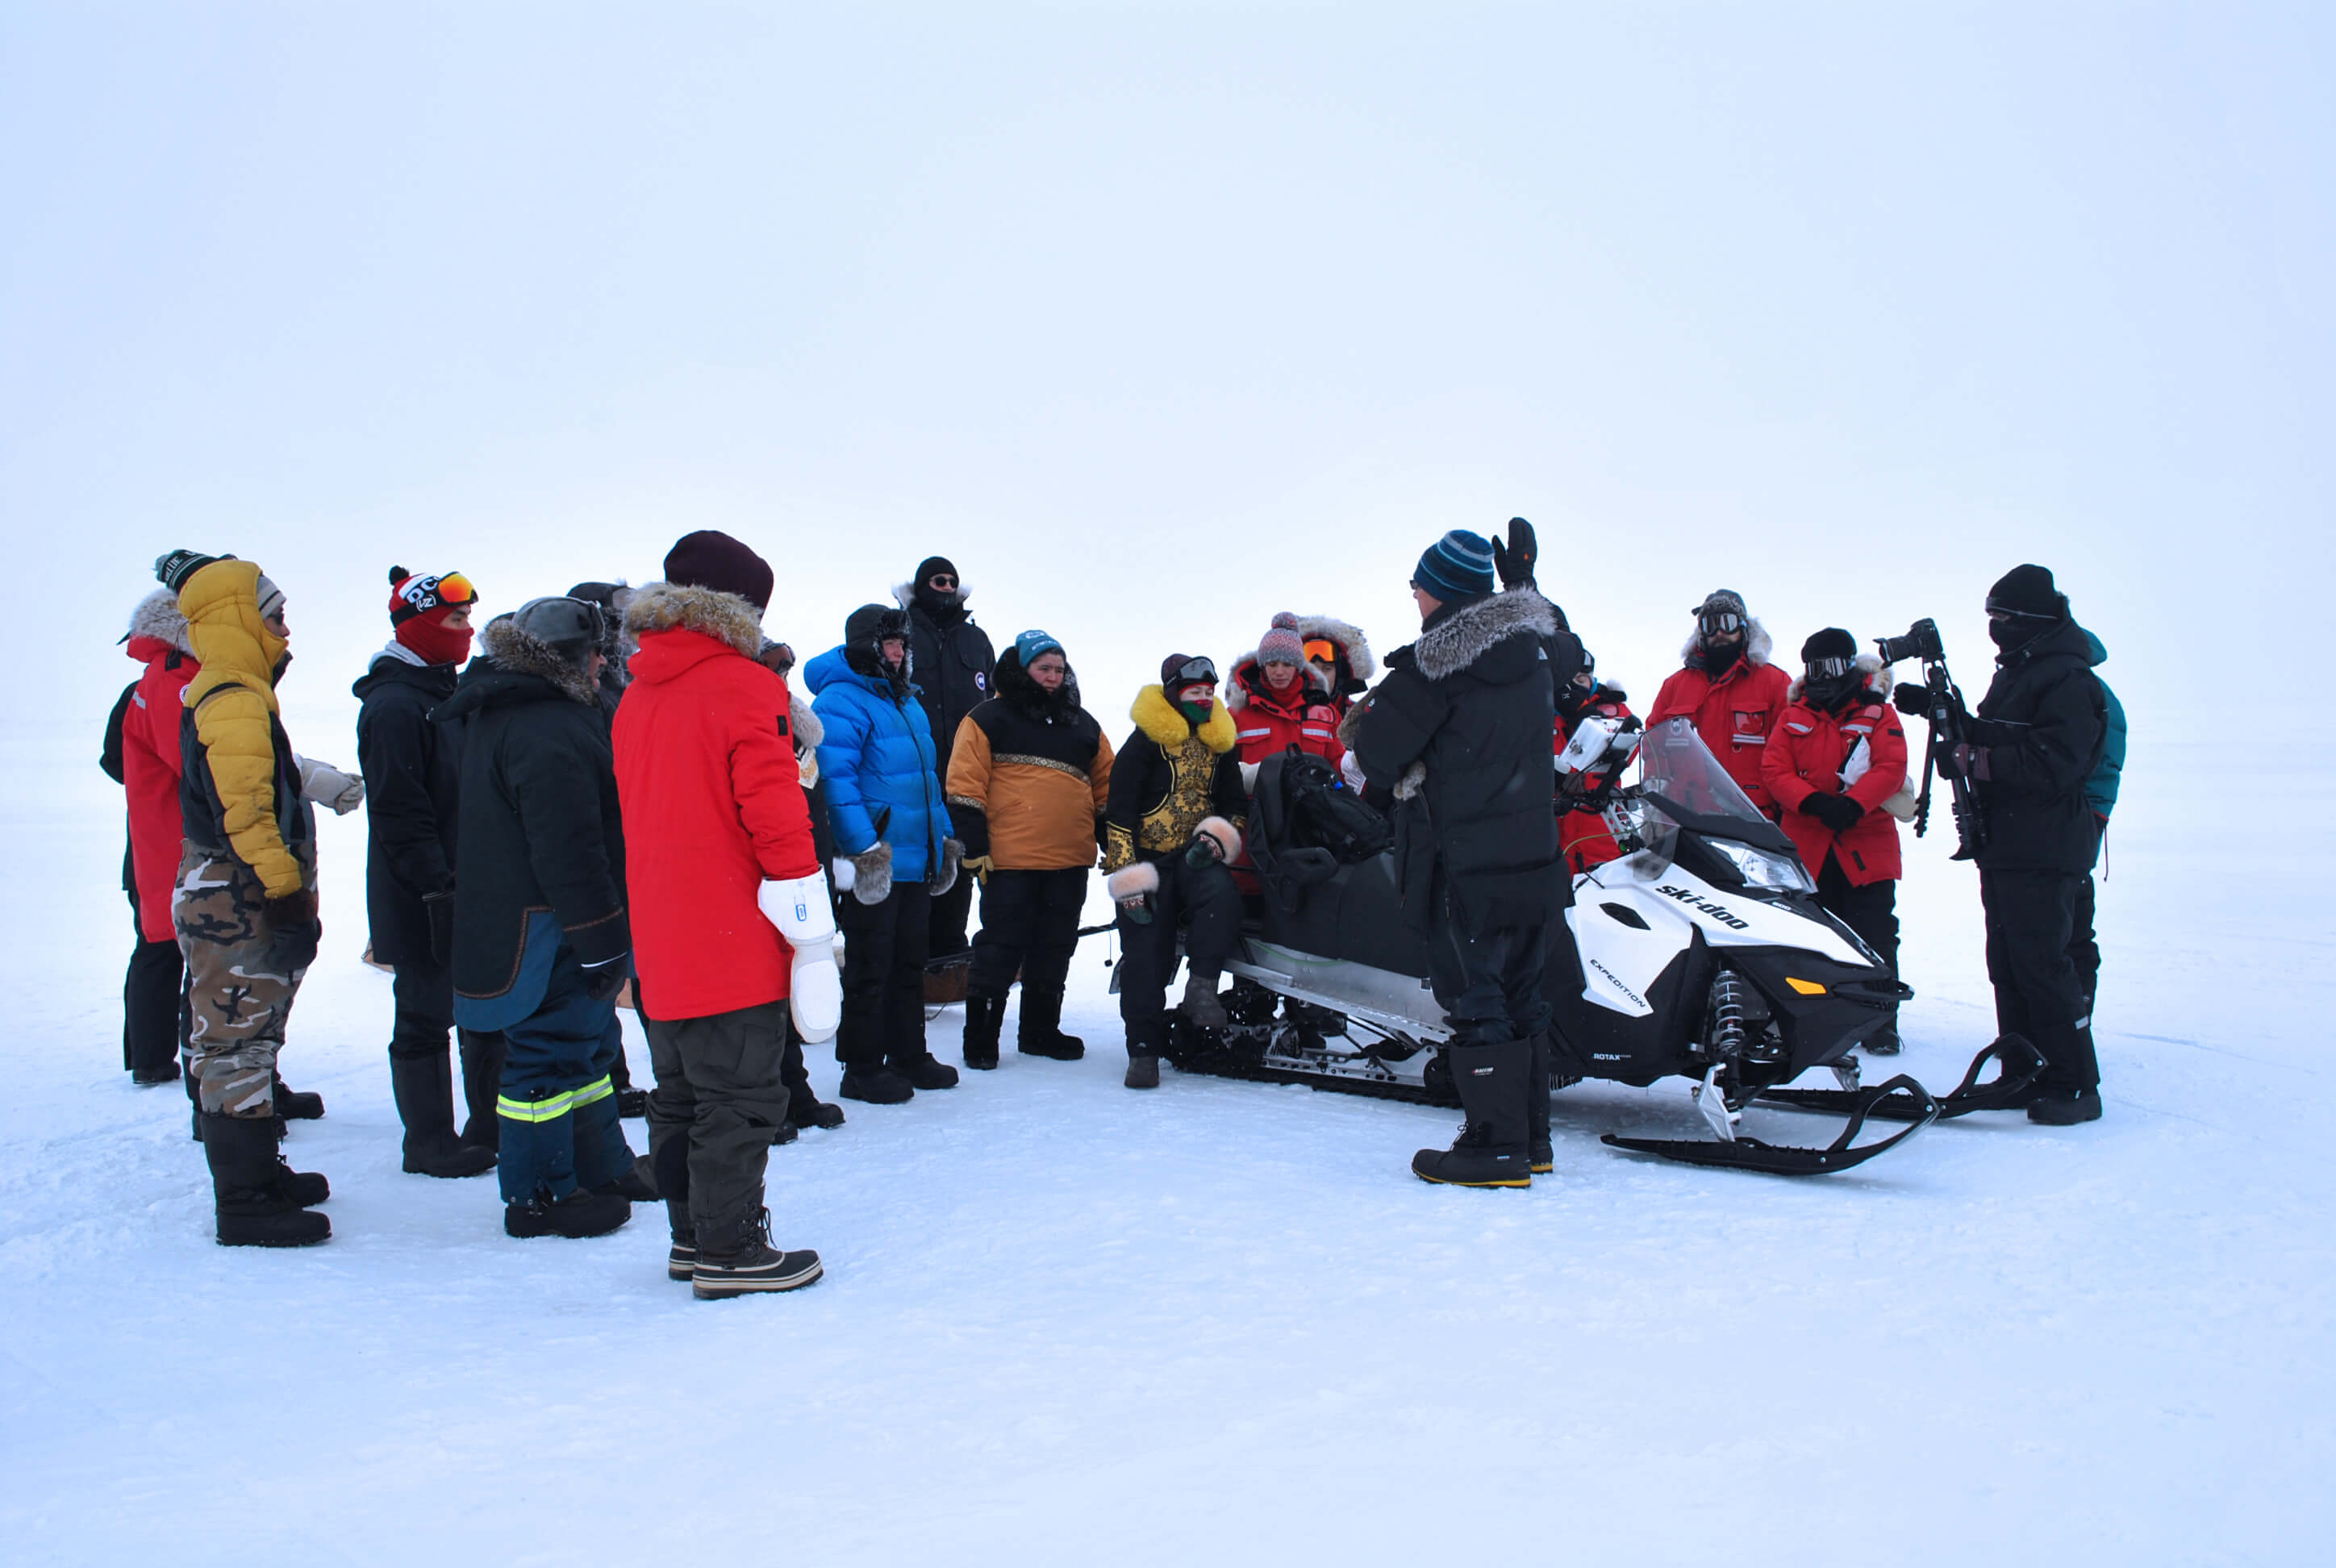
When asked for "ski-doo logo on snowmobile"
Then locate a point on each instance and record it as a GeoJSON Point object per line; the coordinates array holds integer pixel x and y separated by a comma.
{"type": "Point", "coordinates": [1717, 911]}
{"type": "Point", "coordinates": [1615, 980]}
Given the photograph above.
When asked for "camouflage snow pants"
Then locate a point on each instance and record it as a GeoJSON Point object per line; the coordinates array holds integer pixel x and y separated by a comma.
{"type": "Point", "coordinates": [239, 991]}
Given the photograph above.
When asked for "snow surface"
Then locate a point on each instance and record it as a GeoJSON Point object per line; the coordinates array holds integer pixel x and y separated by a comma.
{"type": "Point", "coordinates": [1063, 1323]}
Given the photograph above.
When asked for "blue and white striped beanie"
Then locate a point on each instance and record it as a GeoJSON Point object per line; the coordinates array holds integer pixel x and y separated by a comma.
{"type": "Point", "coordinates": [1457, 566]}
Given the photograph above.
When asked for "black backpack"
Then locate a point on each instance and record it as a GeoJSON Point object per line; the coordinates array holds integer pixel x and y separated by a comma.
{"type": "Point", "coordinates": [1324, 814]}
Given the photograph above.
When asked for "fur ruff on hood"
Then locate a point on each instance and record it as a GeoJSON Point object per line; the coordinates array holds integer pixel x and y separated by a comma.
{"type": "Point", "coordinates": [1158, 718]}
{"type": "Point", "coordinates": [514, 650]}
{"type": "Point", "coordinates": [1350, 639]}
{"type": "Point", "coordinates": [726, 617]}
{"type": "Point", "coordinates": [803, 724]}
{"type": "Point", "coordinates": [1878, 682]}
{"type": "Point", "coordinates": [157, 616]}
{"type": "Point", "coordinates": [904, 594]}
{"type": "Point", "coordinates": [1237, 694]}
{"type": "Point", "coordinates": [1756, 645]}
{"type": "Point", "coordinates": [1453, 645]}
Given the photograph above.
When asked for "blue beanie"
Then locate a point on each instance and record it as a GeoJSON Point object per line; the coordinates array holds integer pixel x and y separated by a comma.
{"type": "Point", "coordinates": [1030, 645]}
{"type": "Point", "coordinates": [1457, 566]}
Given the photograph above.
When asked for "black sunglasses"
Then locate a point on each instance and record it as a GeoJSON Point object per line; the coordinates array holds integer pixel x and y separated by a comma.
{"type": "Point", "coordinates": [940, 579]}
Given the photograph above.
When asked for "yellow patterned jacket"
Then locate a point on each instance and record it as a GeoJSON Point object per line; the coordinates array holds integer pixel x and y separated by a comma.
{"type": "Point", "coordinates": [1168, 778]}
{"type": "Point", "coordinates": [244, 759]}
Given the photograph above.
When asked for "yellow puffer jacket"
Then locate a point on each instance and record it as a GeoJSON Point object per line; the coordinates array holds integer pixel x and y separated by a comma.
{"type": "Point", "coordinates": [234, 704]}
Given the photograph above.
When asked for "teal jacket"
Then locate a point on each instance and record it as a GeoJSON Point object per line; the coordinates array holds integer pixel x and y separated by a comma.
{"type": "Point", "coordinates": [2101, 788]}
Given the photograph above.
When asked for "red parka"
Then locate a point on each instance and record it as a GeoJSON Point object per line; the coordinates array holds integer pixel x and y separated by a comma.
{"type": "Point", "coordinates": [150, 757]}
{"type": "Point", "coordinates": [1733, 714]}
{"type": "Point", "coordinates": [1585, 838]}
{"type": "Point", "coordinates": [1806, 756]}
{"type": "Point", "coordinates": [1268, 722]}
{"type": "Point", "coordinates": [712, 803]}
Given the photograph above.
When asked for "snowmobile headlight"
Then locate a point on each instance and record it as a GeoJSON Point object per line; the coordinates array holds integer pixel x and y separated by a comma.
{"type": "Point", "coordinates": [1760, 869]}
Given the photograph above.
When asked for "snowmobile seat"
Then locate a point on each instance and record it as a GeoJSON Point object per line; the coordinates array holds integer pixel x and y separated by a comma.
{"type": "Point", "coordinates": [1352, 913]}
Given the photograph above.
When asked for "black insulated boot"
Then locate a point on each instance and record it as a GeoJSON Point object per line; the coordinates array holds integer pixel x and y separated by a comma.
{"type": "Point", "coordinates": [750, 1265]}
{"type": "Point", "coordinates": [1143, 1070]}
{"type": "Point", "coordinates": [1883, 1041]}
{"type": "Point", "coordinates": [1493, 1149]}
{"type": "Point", "coordinates": [1201, 1003]}
{"type": "Point", "coordinates": [1541, 1157]}
{"type": "Point", "coordinates": [251, 1210]}
{"type": "Point", "coordinates": [984, 1015]}
{"type": "Point", "coordinates": [681, 1259]}
{"type": "Point", "coordinates": [578, 1214]}
{"type": "Point", "coordinates": [2062, 1107]}
{"type": "Point", "coordinates": [301, 1189]}
{"type": "Point", "coordinates": [295, 1106]}
{"type": "Point", "coordinates": [923, 1070]}
{"type": "Point", "coordinates": [804, 1109]}
{"type": "Point", "coordinates": [638, 1184]}
{"type": "Point", "coordinates": [1040, 1032]}
{"type": "Point", "coordinates": [877, 1085]}
{"type": "Point", "coordinates": [424, 1088]}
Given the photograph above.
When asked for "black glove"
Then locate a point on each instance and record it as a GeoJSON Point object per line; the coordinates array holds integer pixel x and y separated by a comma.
{"type": "Point", "coordinates": [1515, 562]}
{"type": "Point", "coordinates": [1838, 813]}
{"type": "Point", "coordinates": [294, 932]}
{"type": "Point", "coordinates": [602, 984]}
{"type": "Point", "coordinates": [1913, 701]}
{"type": "Point", "coordinates": [440, 908]}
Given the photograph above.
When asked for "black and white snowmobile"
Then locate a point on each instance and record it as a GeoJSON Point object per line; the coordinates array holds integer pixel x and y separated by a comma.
{"type": "Point", "coordinates": [1703, 955]}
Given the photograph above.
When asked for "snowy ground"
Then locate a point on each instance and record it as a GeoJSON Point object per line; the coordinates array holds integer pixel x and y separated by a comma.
{"type": "Point", "coordinates": [1063, 1323]}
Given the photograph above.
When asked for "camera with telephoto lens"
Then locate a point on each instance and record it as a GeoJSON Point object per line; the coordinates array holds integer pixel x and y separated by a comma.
{"type": "Point", "coordinates": [1921, 642]}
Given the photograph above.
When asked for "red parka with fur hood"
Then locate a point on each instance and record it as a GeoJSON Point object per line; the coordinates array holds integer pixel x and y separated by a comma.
{"type": "Point", "coordinates": [1808, 755]}
{"type": "Point", "coordinates": [1270, 722]}
{"type": "Point", "coordinates": [150, 756]}
{"type": "Point", "coordinates": [713, 802]}
{"type": "Point", "coordinates": [1735, 713]}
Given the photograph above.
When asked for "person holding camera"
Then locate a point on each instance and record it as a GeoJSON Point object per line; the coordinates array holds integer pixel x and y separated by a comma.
{"type": "Point", "coordinates": [541, 937]}
{"type": "Point", "coordinates": [1172, 823]}
{"type": "Point", "coordinates": [1458, 733]}
{"type": "Point", "coordinates": [1726, 686]}
{"type": "Point", "coordinates": [413, 773]}
{"type": "Point", "coordinates": [2028, 754]}
{"type": "Point", "coordinates": [245, 905]}
{"type": "Point", "coordinates": [1838, 753]}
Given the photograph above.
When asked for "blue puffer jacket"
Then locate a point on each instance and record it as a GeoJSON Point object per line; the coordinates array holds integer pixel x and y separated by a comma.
{"type": "Point", "coordinates": [878, 754]}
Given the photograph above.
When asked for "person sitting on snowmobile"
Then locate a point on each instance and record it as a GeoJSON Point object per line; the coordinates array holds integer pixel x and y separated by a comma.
{"type": "Point", "coordinates": [1341, 655]}
{"type": "Point", "coordinates": [1458, 734]}
{"type": "Point", "coordinates": [1727, 686]}
{"type": "Point", "coordinates": [2039, 735]}
{"type": "Point", "coordinates": [542, 942]}
{"type": "Point", "coordinates": [1585, 837]}
{"type": "Point", "coordinates": [1837, 757]}
{"type": "Point", "coordinates": [1173, 821]}
{"type": "Point", "coordinates": [244, 905]}
{"type": "Point", "coordinates": [1029, 778]}
{"type": "Point", "coordinates": [1279, 702]}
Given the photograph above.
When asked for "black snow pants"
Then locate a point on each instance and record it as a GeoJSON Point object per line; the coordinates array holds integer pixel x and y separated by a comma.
{"type": "Point", "coordinates": [1029, 926]}
{"type": "Point", "coordinates": [2039, 993]}
{"type": "Point", "coordinates": [720, 1095]}
{"type": "Point", "coordinates": [883, 977]}
{"type": "Point", "coordinates": [155, 1020]}
{"type": "Point", "coordinates": [1871, 911]}
{"type": "Point", "coordinates": [1205, 901]}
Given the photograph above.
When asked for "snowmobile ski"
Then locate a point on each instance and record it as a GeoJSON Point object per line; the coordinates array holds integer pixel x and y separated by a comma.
{"type": "Point", "coordinates": [1743, 1153]}
{"type": "Point", "coordinates": [2021, 1063]}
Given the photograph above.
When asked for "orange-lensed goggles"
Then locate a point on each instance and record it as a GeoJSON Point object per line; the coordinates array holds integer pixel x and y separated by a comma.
{"type": "Point", "coordinates": [1320, 652]}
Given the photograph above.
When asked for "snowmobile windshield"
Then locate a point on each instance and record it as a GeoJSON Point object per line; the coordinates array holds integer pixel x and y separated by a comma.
{"type": "Point", "coordinates": [1682, 786]}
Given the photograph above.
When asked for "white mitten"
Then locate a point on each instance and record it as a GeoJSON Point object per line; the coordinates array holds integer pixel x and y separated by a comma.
{"type": "Point", "coordinates": [1351, 771]}
{"type": "Point", "coordinates": [801, 910]}
{"type": "Point", "coordinates": [844, 871]}
{"type": "Point", "coordinates": [327, 785]}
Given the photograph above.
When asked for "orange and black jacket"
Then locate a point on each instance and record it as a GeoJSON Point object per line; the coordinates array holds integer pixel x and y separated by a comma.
{"type": "Point", "coordinates": [1029, 775]}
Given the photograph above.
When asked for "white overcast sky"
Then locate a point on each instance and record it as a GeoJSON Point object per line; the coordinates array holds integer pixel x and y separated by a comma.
{"type": "Point", "coordinates": [1159, 318]}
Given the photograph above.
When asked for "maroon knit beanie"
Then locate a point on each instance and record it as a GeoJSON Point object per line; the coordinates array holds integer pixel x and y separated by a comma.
{"type": "Point", "coordinates": [711, 559]}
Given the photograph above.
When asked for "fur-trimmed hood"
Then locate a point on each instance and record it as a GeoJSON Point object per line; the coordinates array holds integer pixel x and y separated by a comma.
{"type": "Point", "coordinates": [519, 652]}
{"type": "Point", "coordinates": [726, 617]}
{"type": "Point", "coordinates": [1158, 718]}
{"type": "Point", "coordinates": [1756, 645]}
{"type": "Point", "coordinates": [1470, 632]}
{"type": "Point", "coordinates": [803, 722]}
{"type": "Point", "coordinates": [1237, 685]}
{"type": "Point", "coordinates": [1878, 678]}
{"type": "Point", "coordinates": [157, 616]}
{"type": "Point", "coordinates": [1350, 639]}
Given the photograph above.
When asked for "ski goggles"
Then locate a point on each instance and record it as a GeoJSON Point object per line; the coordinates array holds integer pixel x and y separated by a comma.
{"type": "Point", "coordinates": [1830, 668]}
{"type": "Point", "coordinates": [1320, 652]}
{"type": "Point", "coordinates": [421, 595]}
{"type": "Point", "coordinates": [1198, 671]}
{"type": "Point", "coordinates": [1719, 622]}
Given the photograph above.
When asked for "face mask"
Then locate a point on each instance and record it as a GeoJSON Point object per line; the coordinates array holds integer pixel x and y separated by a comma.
{"type": "Point", "coordinates": [1718, 657]}
{"type": "Point", "coordinates": [2013, 631]}
{"type": "Point", "coordinates": [434, 643]}
{"type": "Point", "coordinates": [1832, 693]}
{"type": "Point", "coordinates": [1196, 715]}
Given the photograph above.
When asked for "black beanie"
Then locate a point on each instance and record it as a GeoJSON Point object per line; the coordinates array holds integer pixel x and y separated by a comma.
{"type": "Point", "coordinates": [2028, 590]}
{"type": "Point", "coordinates": [1831, 643]}
{"type": "Point", "coordinates": [934, 563]}
{"type": "Point", "coordinates": [711, 559]}
{"type": "Point", "coordinates": [172, 570]}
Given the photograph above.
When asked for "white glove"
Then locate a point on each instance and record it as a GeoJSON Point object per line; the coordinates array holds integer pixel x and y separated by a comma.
{"type": "Point", "coordinates": [801, 910]}
{"type": "Point", "coordinates": [844, 872]}
{"type": "Point", "coordinates": [1351, 771]}
{"type": "Point", "coordinates": [327, 785]}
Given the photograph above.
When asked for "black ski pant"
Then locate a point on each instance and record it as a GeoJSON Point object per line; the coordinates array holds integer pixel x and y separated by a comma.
{"type": "Point", "coordinates": [946, 921]}
{"type": "Point", "coordinates": [2039, 993]}
{"type": "Point", "coordinates": [155, 1020]}
{"type": "Point", "coordinates": [2084, 950]}
{"type": "Point", "coordinates": [1204, 900]}
{"type": "Point", "coordinates": [1871, 911]}
{"type": "Point", "coordinates": [1489, 984]}
{"type": "Point", "coordinates": [883, 977]}
{"type": "Point", "coordinates": [720, 1095]}
{"type": "Point", "coordinates": [1029, 926]}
